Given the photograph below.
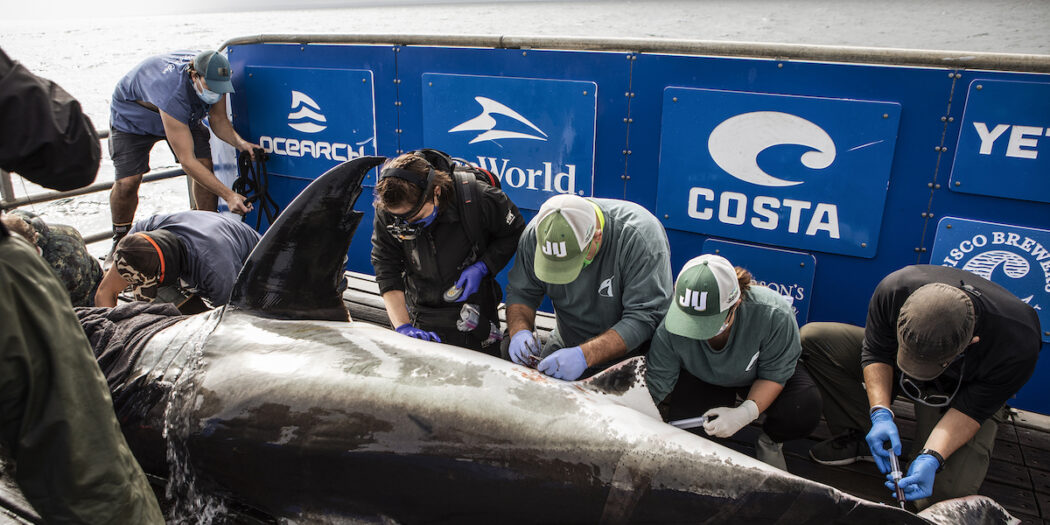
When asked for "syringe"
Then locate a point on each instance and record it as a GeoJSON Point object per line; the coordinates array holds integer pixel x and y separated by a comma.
{"type": "Point", "coordinates": [895, 473]}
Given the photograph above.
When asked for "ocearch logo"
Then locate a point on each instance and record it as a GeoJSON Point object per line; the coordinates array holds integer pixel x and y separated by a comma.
{"type": "Point", "coordinates": [736, 143]}
{"type": "Point", "coordinates": [486, 123]}
{"type": "Point", "coordinates": [308, 118]}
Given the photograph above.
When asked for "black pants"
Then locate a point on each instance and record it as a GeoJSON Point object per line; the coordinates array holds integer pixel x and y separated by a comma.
{"type": "Point", "coordinates": [793, 415]}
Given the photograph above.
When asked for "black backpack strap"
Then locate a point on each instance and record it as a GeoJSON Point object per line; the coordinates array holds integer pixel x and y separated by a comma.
{"type": "Point", "coordinates": [469, 213]}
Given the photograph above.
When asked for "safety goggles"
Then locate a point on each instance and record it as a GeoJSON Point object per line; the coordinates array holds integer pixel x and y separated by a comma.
{"type": "Point", "coordinates": [917, 393]}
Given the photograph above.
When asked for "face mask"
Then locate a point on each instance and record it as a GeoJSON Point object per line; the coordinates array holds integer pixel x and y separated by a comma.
{"type": "Point", "coordinates": [206, 95]}
{"type": "Point", "coordinates": [428, 220]}
{"type": "Point", "coordinates": [725, 324]}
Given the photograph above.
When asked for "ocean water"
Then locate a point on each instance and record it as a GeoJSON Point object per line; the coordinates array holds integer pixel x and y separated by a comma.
{"type": "Point", "coordinates": [88, 55]}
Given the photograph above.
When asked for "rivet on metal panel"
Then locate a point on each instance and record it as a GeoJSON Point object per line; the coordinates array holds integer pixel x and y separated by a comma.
{"type": "Point", "coordinates": [584, 92]}
{"type": "Point", "coordinates": [251, 74]}
{"type": "Point", "coordinates": [628, 177]}
{"type": "Point", "coordinates": [624, 152]}
{"type": "Point", "coordinates": [623, 177]}
{"type": "Point", "coordinates": [674, 99]}
{"type": "Point", "coordinates": [923, 214]}
{"type": "Point", "coordinates": [951, 119]}
{"type": "Point", "coordinates": [923, 250]}
{"type": "Point", "coordinates": [979, 87]}
{"type": "Point", "coordinates": [958, 75]}
{"type": "Point", "coordinates": [948, 226]}
{"type": "Point", "coordinates": [958, 183]}
{"type": "Point", "coordinates": [628, 152]}
{"type": "Point", "coordinates": [630, 120]}
{"type": "Point", "coordinates": [400, 151]}
{"type": "Point", "coordinates": [364, 80]}
{"type": "Point", "coordinates": [628, 57]}
{"type": "Point", "coordinates": [944, 148]}
{"type": "Point", "coordinates": [430, 84]}
{"type": "Point", "coordinates": [885, 115]}
{"type": "Point", "coordinates": [398, 103]}
{"type": "Point", "coordinates": [631, 95]}
{"type": "Point", "coordinates": [944, 119]}
{"type": "Point", "coordinates": [802, 264]}
{"type": "Point", "coordinates": [625, 119]}
{"type": "Point", "coordinates": [781, 65]}
{"type": "Point", "coordinates": [929, 184]}
{"type": "Point", "coordinates": [627, 94]}
{"type": "Point", "coordinates": [634, 57]}
{"type": "Point", "coordinates": [524, 53]}
{"type": "Point", "coordinates": [951, 75]}
{"type": "Point", "coordinates": [916, 249]}
{"type": "Point", "coordinates": [666, 216]}
{"type": "Point", "coordinates": [936, 148]}
{"type": "Point", "coordinates": [302, 48]}
{"type": "Point", "coordinates": [581, 193]}
{"type": "Point", "coordinates": [397, 80]}
{"type": "Point", "coordinates": [863, 245]}
{"type": "Point", "coordinates": [397, 131]}
{"type": "Point", "coordinates": [929, 215]}
{"type": "Point", "coordinates": [717, 251]}
{"type": "Point", "coordinates": [936, 186]}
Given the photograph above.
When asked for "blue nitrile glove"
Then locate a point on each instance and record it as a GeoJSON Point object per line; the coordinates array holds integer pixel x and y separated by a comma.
{"type": "Point", "coordinates": [882, 430]}
{"type": "Point", "coordinates": [918, 483]}
{"type": "Point", "coordinates": [418, 333]}
{"type": "Point", "coordinates": [522, 345]}
{"type": "Point", "coordinates": [567, 364]}
{"type": "Point", "coordinates": [470, 279]}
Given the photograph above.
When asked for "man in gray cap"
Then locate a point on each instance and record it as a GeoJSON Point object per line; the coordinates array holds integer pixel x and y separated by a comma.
{"type": "Point", "coordinates": [606, 266]}
{"type": "Point", "coordinates": [167, 97]}
{"type": "Point", "coordinates": [957, 345]}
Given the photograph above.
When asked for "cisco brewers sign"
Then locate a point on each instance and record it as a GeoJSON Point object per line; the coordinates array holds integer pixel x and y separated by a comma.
{"type": "Point", "coordinates": [792, 171]}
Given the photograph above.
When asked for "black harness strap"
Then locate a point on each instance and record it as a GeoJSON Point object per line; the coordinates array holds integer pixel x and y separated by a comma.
{"type": "Point", "coordinates": [255, 180]}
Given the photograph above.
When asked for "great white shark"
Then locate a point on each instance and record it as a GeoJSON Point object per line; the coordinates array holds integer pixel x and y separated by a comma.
{"type": "Point", "coordinates": [281, 403]}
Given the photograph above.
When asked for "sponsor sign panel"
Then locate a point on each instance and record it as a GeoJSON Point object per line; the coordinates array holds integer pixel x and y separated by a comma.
{"type": "Point", "coordinates": [786, 272]}
{"type": "Point", "coordinates": [310, 119]}
{"type": "Point", "coordinates": [1004, 141]}
{"type": "Point", "coordinates": [536, 135]}
{"type": "Point", "coordinates": [803, 172]}
{"type": "Point", "coordinates": [1013, 257]}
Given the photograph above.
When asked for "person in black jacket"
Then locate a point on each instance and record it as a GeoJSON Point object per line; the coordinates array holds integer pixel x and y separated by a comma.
{"type": "Point", "coordinates": [957, 345]}
{"type": "Point", "coordinates": [422, 249]}
{"type": "Point", "coordinates": [56, 415]}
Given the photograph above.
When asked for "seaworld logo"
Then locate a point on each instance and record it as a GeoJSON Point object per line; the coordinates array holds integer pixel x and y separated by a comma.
{"type": "Point", "coordinates": [308, 118]}
{"type": "Point", "coordinates": [1015, 254]}
{"type": "Point", "coordinates": [486, 123]}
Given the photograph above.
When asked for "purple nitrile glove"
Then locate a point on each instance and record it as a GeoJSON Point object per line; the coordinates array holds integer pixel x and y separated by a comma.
{"type": "Point", "coordinates": [567, 364]}
{"type": "Point", "coordinates": [470, 279]}
{"type": "Point", "coordinates": [411, 331]}
{"type": "Point", "coordinates": [883, 429]}
{"type": "Point", "coordinates": [522, 345]}
{"type": "Point", "coordinates": [918, 483]}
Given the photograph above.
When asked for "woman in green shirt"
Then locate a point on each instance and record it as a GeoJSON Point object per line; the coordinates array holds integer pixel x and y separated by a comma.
{"type": "Point", "coordinates": [732, 340]}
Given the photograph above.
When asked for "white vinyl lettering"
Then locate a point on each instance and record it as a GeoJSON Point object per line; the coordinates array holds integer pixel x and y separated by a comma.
{"type": "Point", "coordinates": [553, 180]}
{"type": "Point", "coordinates": [1018, 141]}
{"type": "Point", "coordinates": [988, 137]}
{"type": "Point", "coordinates": [733, 210]}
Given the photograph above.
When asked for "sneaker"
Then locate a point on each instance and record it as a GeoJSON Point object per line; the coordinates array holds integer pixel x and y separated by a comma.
{"type": "Point", "coordinates": [843, 449]}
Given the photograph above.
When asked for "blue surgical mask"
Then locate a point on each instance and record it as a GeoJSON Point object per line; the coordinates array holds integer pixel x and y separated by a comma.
{"type": "Point", "coordinates": [429, 219]}
{"type": "Point", "coordinates": [206, 95]}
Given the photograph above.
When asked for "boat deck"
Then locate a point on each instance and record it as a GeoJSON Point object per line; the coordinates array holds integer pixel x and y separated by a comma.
{"type": "Point", "coordinates": [1018, 476]}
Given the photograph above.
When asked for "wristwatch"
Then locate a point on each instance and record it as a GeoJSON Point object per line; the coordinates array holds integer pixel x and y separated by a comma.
{"type": "Point", "coordinates": [936, 455]}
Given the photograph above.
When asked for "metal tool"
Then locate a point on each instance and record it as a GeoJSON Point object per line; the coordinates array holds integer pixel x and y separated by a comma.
{"type": "Point", "coordinates": [895, 473]}
{"type": "Point", "coordinates": [688, 423]}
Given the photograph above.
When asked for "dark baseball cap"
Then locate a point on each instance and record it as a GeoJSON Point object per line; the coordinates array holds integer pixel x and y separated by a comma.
{"type": "Point", "coordinates": [216, 71]}
{"type": "Point", "coordinates": [935, 325]}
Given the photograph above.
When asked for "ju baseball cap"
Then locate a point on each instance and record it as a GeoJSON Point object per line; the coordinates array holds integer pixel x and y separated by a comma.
{"type": "Point", "coordinates": [704, 291]}
{"type": "Point", "coordinates": [935, 325]}
{"type": "Point", "coordinates": [216, 71]}
{"type": "Point", "coordinates": [565, 226]}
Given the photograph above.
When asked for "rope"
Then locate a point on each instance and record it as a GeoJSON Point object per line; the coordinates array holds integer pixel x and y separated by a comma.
{"type": "Point", "coordinates": [255, 180]}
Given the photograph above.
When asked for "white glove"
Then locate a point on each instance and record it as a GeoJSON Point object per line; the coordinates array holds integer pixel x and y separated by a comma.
{"type": "Point", "coordinates": [724, 421]}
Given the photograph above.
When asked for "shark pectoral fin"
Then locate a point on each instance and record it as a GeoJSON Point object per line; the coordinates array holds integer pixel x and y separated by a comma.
{"type": "Point", "coordinates": [295, 269]}
{"type": "Point", "coordinates": [624, 384]}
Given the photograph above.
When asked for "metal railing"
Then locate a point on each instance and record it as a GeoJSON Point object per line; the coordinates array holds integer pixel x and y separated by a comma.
{"type": "Point", "coordinates": [848, 54]}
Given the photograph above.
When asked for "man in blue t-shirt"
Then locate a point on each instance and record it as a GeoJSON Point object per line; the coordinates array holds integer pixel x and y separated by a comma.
{"type": "Point", "coordinates": [204, 249]}
{"type": "Point", "coordinates": [166, 97]}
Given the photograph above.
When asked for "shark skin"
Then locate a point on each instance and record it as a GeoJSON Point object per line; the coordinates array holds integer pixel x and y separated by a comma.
{"type": "Point", "coordinates": [286, 406]}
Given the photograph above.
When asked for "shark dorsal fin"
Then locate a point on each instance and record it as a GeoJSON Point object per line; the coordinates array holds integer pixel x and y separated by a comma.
{"type": "Point", "coordinates": [625, 385]}
{"type": "Point", "coordinates": [294, 271]}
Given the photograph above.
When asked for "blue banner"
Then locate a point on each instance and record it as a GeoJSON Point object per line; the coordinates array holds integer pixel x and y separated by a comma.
{"type": "Point", "coordinates": [310, 120]}
{"type": "Point", "coordinates": [1005, 127]}
{"type": "Point", "coordinates": [794, 171]}
{"type": "Point", "coordinates": [786, 272]}
{"type": "Point", "coordinates": [1013, 257]}
{"type": "Point", "coordinates": [536, 136]}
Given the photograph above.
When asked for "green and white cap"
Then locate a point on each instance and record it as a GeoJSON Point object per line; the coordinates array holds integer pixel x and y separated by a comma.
{"type": "Point", "coordinates": [704, 291]}
{"type": "Point", "coordinates": [565, 226]}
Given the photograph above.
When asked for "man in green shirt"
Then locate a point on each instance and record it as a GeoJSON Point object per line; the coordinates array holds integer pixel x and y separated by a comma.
{"type": "Point", "coordinates": [606, 266]}
{"type": "Point", "coordinates": [732, 340]}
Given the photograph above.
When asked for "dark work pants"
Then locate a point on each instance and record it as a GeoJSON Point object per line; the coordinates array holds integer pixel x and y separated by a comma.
{"type": "Point", "coordinates": [792, 415]}
{"type": "Point", "coordinates": [832, 353]}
